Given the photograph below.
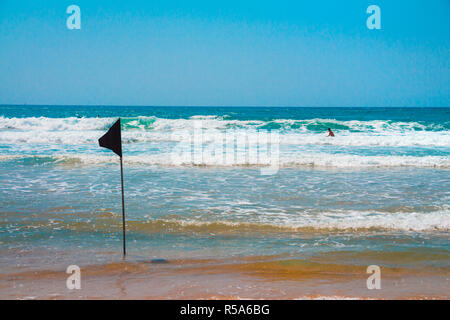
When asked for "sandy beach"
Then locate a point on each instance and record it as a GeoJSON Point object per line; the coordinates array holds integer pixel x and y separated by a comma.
{"type": "Point", "coordinates": [251, 278]}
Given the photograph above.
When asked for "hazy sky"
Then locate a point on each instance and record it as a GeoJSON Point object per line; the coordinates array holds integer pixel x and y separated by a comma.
{"type": "Point", "coordinates": [269, 53]}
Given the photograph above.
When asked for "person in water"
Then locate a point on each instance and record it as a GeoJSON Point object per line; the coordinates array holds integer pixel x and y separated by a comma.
{"type": "Point", "coordinates": [330, 133]}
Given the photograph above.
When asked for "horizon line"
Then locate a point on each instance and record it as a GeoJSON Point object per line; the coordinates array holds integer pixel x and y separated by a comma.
{"type": "Point", "coordinates": [204, 106]}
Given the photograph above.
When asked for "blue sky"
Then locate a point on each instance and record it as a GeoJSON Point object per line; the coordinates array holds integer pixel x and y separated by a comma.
{"type": "Point", "coordinates": [225, 53]}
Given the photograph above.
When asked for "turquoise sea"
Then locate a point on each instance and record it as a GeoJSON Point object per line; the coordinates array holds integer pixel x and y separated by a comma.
{"type": "Point", "coordinates": [376, 193]}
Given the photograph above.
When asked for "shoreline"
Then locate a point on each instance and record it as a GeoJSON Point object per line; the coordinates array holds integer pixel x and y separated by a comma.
{"type": "Point", "coordinates": [243, 278]}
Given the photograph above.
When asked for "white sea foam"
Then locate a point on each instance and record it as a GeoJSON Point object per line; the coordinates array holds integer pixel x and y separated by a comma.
{"type": "Point", "coordinates": [355, 144]}
{"type": "Point", "coordinates": [150, 129]}
{"type": "Point", "coordinates": [354, 220]}
{"type": "Point", "coordinates": [294, 160]}
{"type": "Point", "coordinates": [434, 139]}
{"type": "Point", "coordinates": [54, 124]}
{"type": "Point", "coordinates": [333, 220]}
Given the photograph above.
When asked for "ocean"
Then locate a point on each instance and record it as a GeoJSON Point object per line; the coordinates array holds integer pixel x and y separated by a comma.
{"type": "Point", "coordinates": [378, 193]}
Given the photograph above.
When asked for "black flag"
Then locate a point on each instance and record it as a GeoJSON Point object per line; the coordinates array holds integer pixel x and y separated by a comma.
{"type": "Point", "coordinates": [112, 139]}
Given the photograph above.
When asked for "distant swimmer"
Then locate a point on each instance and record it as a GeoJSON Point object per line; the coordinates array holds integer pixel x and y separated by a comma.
{"type": "Point", "coordinates": [330, 133]}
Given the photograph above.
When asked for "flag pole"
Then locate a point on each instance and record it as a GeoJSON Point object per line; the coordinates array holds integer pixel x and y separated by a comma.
{"type": "Point", "coordinates": [123, 209]}
{"type": "Point", "coordinates": [112, 140]}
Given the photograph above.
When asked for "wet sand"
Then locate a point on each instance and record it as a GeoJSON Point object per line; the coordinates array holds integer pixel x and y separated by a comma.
{"type": "Point", "coordinates": [263, 277]}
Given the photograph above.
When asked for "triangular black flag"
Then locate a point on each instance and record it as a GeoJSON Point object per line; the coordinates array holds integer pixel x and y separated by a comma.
{"type": "Point", "coordinates": [112, 139]}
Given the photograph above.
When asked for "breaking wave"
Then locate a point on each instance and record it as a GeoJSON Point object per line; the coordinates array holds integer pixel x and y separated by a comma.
{"type": "Point", "coordinates": [337, 221]}
{"type": "Point", "coordinates": [214, 122]}
{"type": "Point", "coordinates": [141, 129]}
